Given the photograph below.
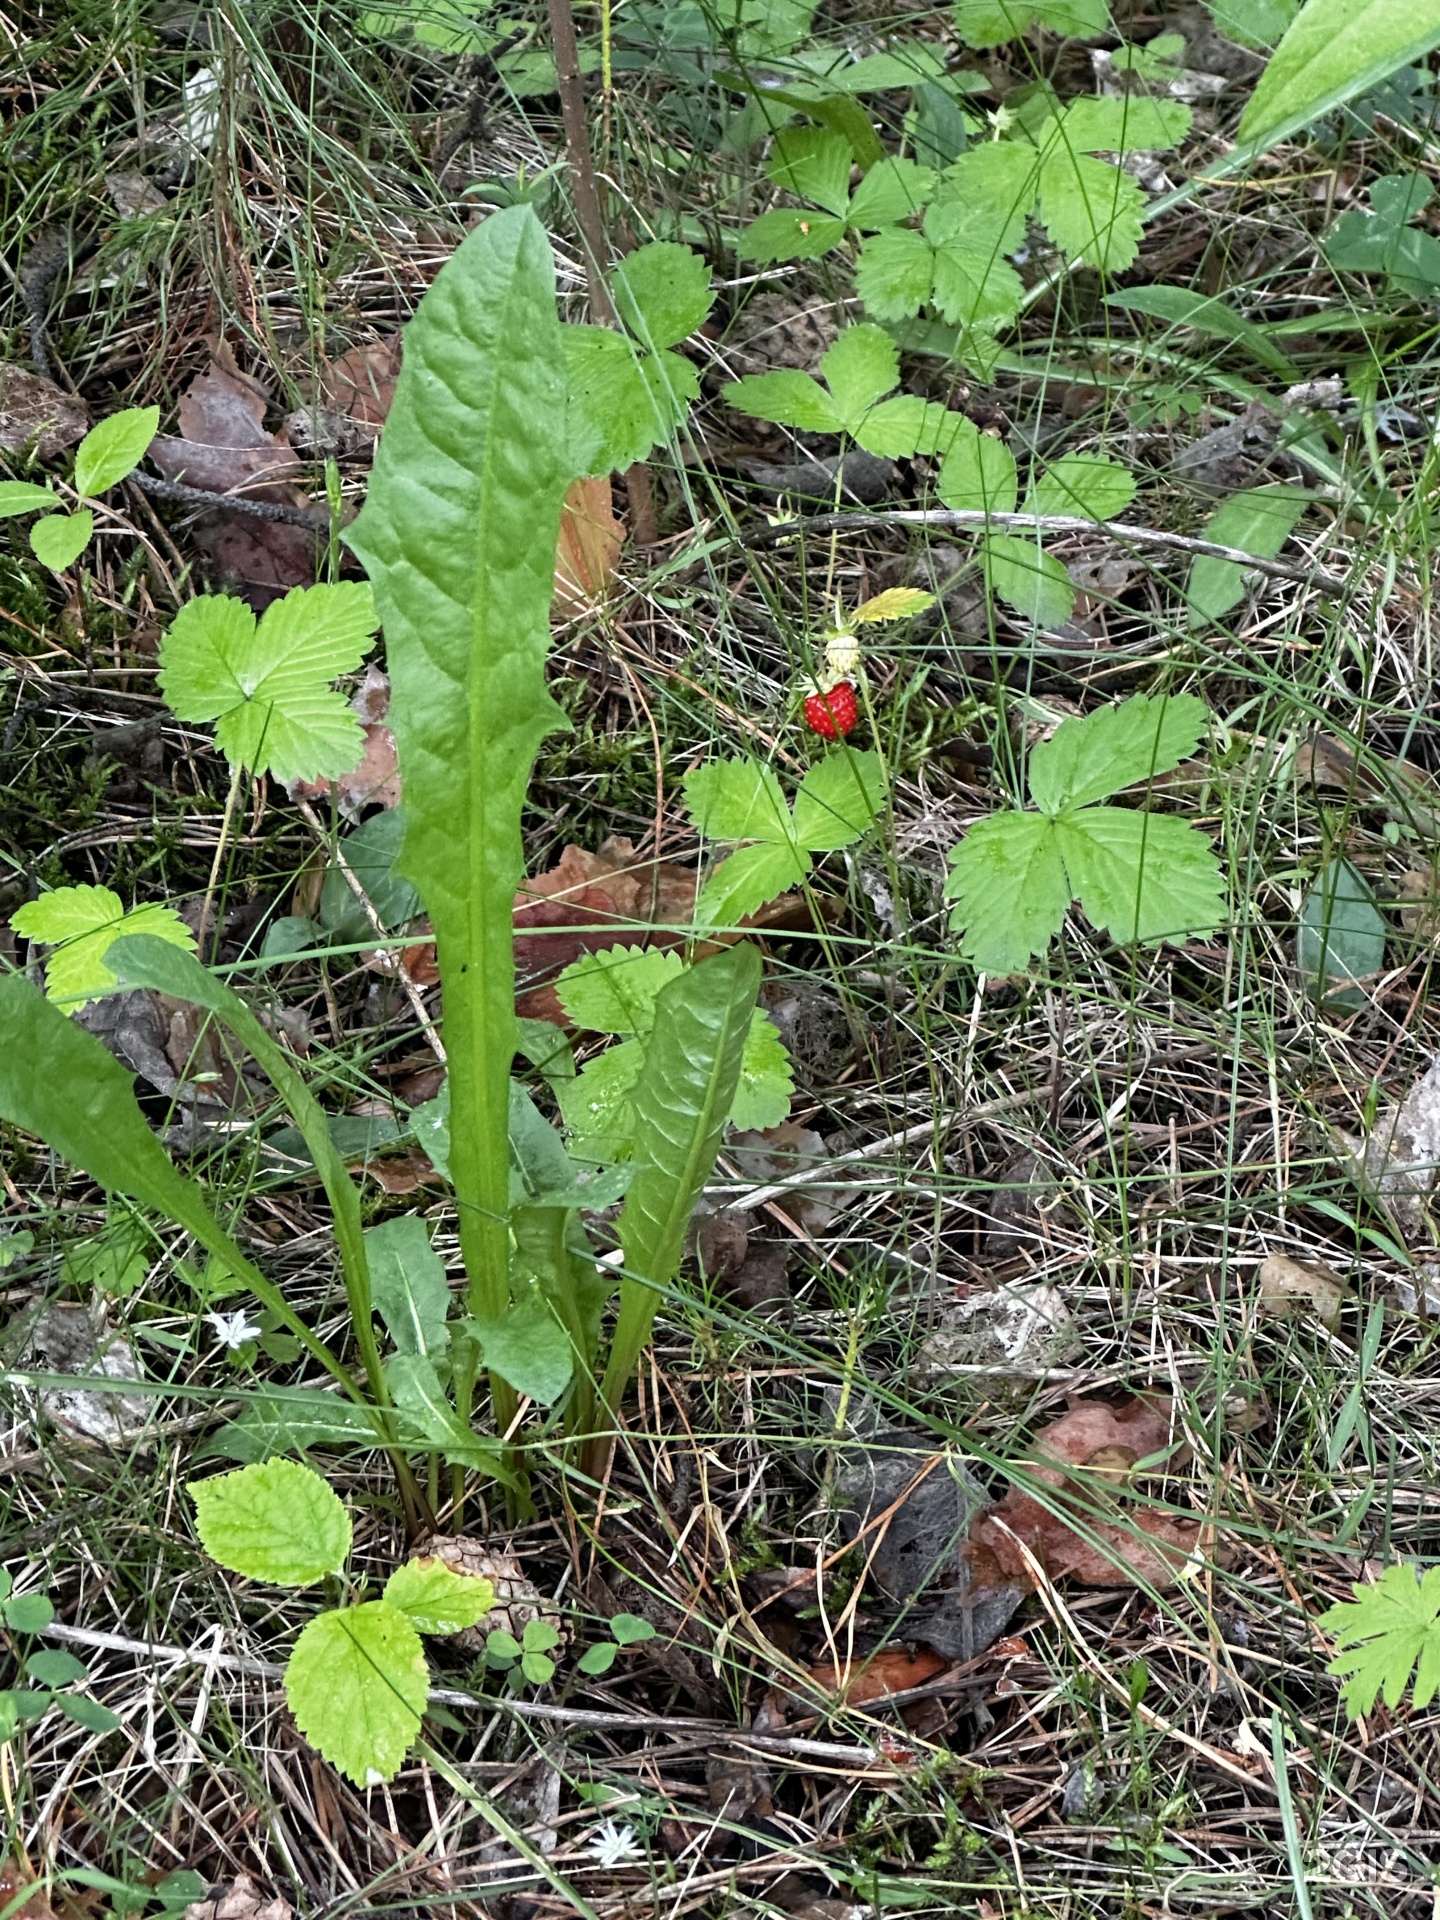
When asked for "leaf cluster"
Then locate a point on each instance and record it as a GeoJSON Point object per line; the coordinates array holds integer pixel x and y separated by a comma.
{"type": "Point", "coordinates": [109, 451]}
{"type": "Point", "coordinates": [1387, 1631]}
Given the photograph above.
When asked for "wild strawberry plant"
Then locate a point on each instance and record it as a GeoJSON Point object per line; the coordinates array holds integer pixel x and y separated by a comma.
{"type": "Point", "coordinates": [109, 451]}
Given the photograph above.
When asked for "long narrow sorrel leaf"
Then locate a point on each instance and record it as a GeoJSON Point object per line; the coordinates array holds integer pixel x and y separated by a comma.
{"type": "Point", "coordinates": [458, 536]}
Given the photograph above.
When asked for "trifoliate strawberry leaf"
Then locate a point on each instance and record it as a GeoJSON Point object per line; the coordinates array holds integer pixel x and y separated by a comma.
{"type": "Point", "coordinates": [1091, 757]}
{"type": "Point", "coordinates": [623, 401]}
{"type": "Point", "coordinates": [993, 186]}
{"type": "Point", "coordinates": [813, 165]}
{"type": "Point", "coordinates": [979, 473]}
{"type": "Point", "coordinates": [1086, 485]}
{"type": "Point", "coordinates": [357, 1685]}
{"type": "Point", "coordinates": [80, 924]}
{"type": "Point", "coordinates": [1120, 123]}
{"type": "Point", "coordinates": [737, 800]}
{"type": "Point", "coordinates": [1032, 581]}
{"type": "Point", "coordinates": [1008, 882]}
{"type": "Point", "coordinates": [839, 799]}
{"type": "Point", "coordinates": [277, 1521]}
{"type": "Point", "coordinates": [114, 448]}
{"type": "Point", "coordinates": [788, 399]}
{"type": "Point", "coordinates": [662, 293]}
{"type": "Point", "coordinates": [861, 366]}
{"type": "Point", "coordinates": [790, 233]}
{"type": "Point", "coordinates": [614, 990]}
{"type": "Point", "coordinates": [1091, 210]}
{"type": "Point", "coordinates": [23, 496]}
{"type": "Point", "coordinates": [267, 685]}
{"type": "Point", "coordinates": [743, 884]}
{"type": "Point", "coordinates": [435, 1598]}
{"type": "Point", "coordinates": [891, 192]}
{"type": "Point", "coordinates": [59, 539]}
{"type": "Point", "coordinates": [1385, 1631]}
{"type": "Point", "coordinates": [767, 1079]}
{"type": "Point", "coordinates": [1141, 876]}
{"type": "Point", "coordinates": [895, 273]}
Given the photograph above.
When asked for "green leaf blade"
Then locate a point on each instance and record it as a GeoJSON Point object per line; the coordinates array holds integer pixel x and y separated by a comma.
{"type": "Point", "coordinates": [278, 1522]}
{"type": "Point", "coordinates": [80, 924]}
{"type": "Point", "coordinates": [357, 1684]}
{"type": "Point", "coordinates": [59, 539]}
{"type": "Point", "coordinates": [436, 1598]}
{"type": "Point", "coordinates": [1332, 51]}
{"type": "Point", "coordinates": [662, 293]}
{"type": "Point", "coordinates": [1141, 877]}
{"type": "Point", "coordinates": [114, 448]}
{"type": "Point", "coordinates": [1010, 890]}
{"type": "Point", "coordinates": [839, 799]}
{"type": "Point", "coordinates": [1091, 758]}
{"type": "Point", "coordinates": [1259, 521]}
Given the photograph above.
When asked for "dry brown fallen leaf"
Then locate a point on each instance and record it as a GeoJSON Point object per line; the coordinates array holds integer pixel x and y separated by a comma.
{"type": "Point", "coordinates": [891, 1671]}
{"type": "Point", "coordinates": [361, 383]}
{"type": "Point", "coordinates": [35, 412]}
{"type": "Point", "coordinates": [241, 1901]}
{"type": "Point", "coordinates": [1097, 1447]}
{"type": "Point", "coordinates": [1289, 1291]}
{"type": "Point", "coordinates": [223, 447]}
{"type": "Point", "coordinates": [590, 542]}
{"type": "Point", "coordinates": [16, 1880]}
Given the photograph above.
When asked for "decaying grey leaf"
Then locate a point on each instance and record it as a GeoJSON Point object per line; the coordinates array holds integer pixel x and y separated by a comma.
{"type": "Point", "coordinates": [1014, 1332]}
{"type": "Point", "coordinates": [1023, 1199]}
{"type": "Point", "coordinates": [1289, 1291]}
{"type": "Point", "coordinates": [35, 412]}
{"type": "Point", "coordinates": [242, 1900]}
{"type": "Point", "coordinates": [1398, 1161]}
{"type": "Point", "coordinates": [63, 1337]}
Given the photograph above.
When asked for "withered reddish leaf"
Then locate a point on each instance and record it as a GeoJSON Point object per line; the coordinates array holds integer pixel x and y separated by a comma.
{"type": "Point", "coordinates": [589, 546]}
{"type": "Point", "coordinates": [361, 383]}
{"type": "Point", "coordinates": [887, 1672]}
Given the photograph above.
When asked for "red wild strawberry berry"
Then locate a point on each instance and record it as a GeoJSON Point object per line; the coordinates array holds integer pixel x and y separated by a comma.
{"type": "Point", "coordinates": [834, 714]}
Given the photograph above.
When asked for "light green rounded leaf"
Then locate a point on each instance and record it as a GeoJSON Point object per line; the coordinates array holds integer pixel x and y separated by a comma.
{"type": "Point", "coordinates": [813, 165]}
{"type": "Point", "coordinates": [1034, 582]}
{"type": "Point", "coordinates": [435, 1598]}
{"type": "Point", "coordinates": [81, 924]}
{"type": "Point", "coordinates": [277, 1521]}
{"type": "Point", "coordinates": [527, 1346]}
{"type": "Point", "coordinates": [357, 1684]}
{"type": "Point", "coordinates": [839, 799]}
{"type": "Point", "coordinates": [1092, 211]}
{"type": "Point", "coordinates": [790, 233]}
{"type": "Point", "coordinates": [788, 399]}
{"type": "Point", "coordinates": [596, 1103]}
{"type": "Point", "coordinates": [114, 448]}
{"type": "Point", "coordinates": [60, 538]}
{"type": "Point", "coordinates": [630, 1630]}
{"type": "Point", "coordinates": [22, 496]}
{"type": "Point", "coordinates": [662, 293]}
{"type": "Point", "coordinates": [1332, 51]}
{"type": "Point", "coordinates": [1084, 485]}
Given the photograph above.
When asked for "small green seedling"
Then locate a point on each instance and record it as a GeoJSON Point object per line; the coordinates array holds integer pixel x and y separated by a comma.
{"type": "Point", "coordinates": [357, 1681]}
{"type": "Point", "coordinates": [79, 925]}
{"type": "Point", "coordinates": [527, 1658]}
{"type": "Point", "coordinates": [814, 165]}
{"type": "Point", "coordinates": [860, 370]}
{"type": "Point", "coordinates": [628, 1630]}
{"type": "Point", "coordinates": [1139, 876]}
{"type": "Point", "coordinates": [54, 1672]}
{"type": "Point", "coordinates": [103, 458]}
{"type": "Point", "coordinates": [1385, 1631]}
{"type": "Point", "coordinates": [1386, 242]}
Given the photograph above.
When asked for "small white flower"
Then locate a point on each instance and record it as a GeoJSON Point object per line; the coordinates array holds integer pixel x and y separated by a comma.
{"type": "Point", "coordinates": [612, 1845]}
{"type": "Point", "coordinates": [234, 1329]}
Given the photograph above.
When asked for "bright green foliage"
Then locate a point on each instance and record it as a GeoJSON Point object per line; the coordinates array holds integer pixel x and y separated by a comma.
{"type": "Point", "coordinates": [357, 1685]}
{"type": "Point", "coordinates": [617, 991]}
{"type": "Point", "coordinates": [266, 684]}
{"type": "Point", "coordinates": [629, 1630]}
{"type": "Point", "coordinates": [692, 1071]}
{"type": "Point", "coordinates": [80, 924]}
{"type": "Point", "coordinates": [1085, 485]}
{"type": "Point", "coordinates": [1258, 521]}
{"type": "Point", "coordinates": [956, 262]}
{"type": "Point", "coordinates": [115, 1262]}
{"type": "Point", "coordinates": [1333, 51]}
{"type": "Point", "coordinates": [837, 802]}
{"type": "Point", "coordinates": [1253, 23]}
{"type": "Point", "coordinates": [527, 1347]}
{"type": "Point", "coordinates": [990, 23]}
{"type": "Point", "coordinates": [59, 539]}
{"type": "Point", "coordinates": [1385, 241]}
{"type": "Point", "coordinates": [276, 1522]}
{"type": "Point", "coordinates": [113, 449]}
{"type": "Point", "coordinates": [627, 390]}
{"type": "Point", "coordinates": [814, 164]}
{"type": "Point", "coordinates": [436, 1599]}
{"type": "Point", "coordinates": [1138, 876]}
{"type": "Point", "coordinates": [1208, 314]}
{"type": "Point", "coordinates": [860, 369]}
{"type": "Point", "coordinates": [407, 1284]}
{"type": "Point", "coordinates": [1384, 1632]}
{"type": "Point", "coordinates": [528, 1657]}
{"type": "Point", "coordinates": [458, 535]}
{"type": "Point", "coordinates": [1341, 936]}
{"type": "Point", "coordinates": [23, 496]}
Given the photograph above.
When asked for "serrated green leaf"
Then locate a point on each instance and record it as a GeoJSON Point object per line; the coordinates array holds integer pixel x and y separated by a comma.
{"type": "Point", "coordinates": [1083, 484]}
{"type": "Point", "coordinates": [1258, 521]}
{"type": "Point", "coordinates": [681, 1103]}
{"type": "Point", "coordinates": [891, 192]}
{"type": "Point", "coordinates": [662, 293]}
{"type": "Point", "coordinates": [1383, 1632]}
{"type": "Point", "coordinates": [743, 884]}
{"type": "Point", "coordinates": [839, 799]}
{"type": "Point", "coordinates": [59, 539]}
{"type": "Point", "coordinates": [737, 800]}
{"type": "Point", "coordinates": [1331, 52]}
{"type": "Point", "coordinates": [862, 364]}
{"type": "Point", "coordinates": [408, 1286]}
{"type": "Point", "coordinates": [614, 990]}
{"type": "Point", "coordinates": [458, 534]}
{"type": "Point", "coordinates": [114, 448]}
{"type": "Point", "coordinates": [527, 1346]}
{"type": "Point", "coordinates": [790, 233]}
{"type": "Point", "coordinates": [1121, 123]}
{"type": "Point", "coordinates": [1033, 581]}
{"type": "Point", "coordinates": [596, 1103]}
{"type": "Point", "coordinates": [978, 474]}
{"type": "Point", "coordinates": [896, 429]}
{"type": "Point", "coordinates": [435, 1598]}
{"type": "Point", "coordinates": [1092, 757]}
{"type": "Point", "coordinates": [277, 1522]}
{"type": "Point", "coordinates": [1091, 210]}
{"type": "Point", "coordinates": [988, 195]}
{"type": "Point", "coordinates": [813, 165]}
{"type": "Point", "coordinates": [357, 1685]}
{"type": "Point", "coordinates": [1141, 876]}
{"type": "Point", "coordinates": [767, 1078]}
{"type": "Point", "coordinates": [894, 274]}
{"type": "Point", "coordinates": [80, 924]}
{"type": "Point", "coordinates": [991, 23]}
{"type": "Point", "coordinates": [972, 288]}
{"type": "Point", "coordinates": [788, 399]}
{"type": "Point", "coordinates": [22, 496]}
{"type": "Point", "coordinates": [1010, 889]}
{"type": "Point", "coordinates": [622, 401]}
{"type": "Point", "coordinates": [114, 1263]}
{"type": "Point", "coordinates": [266, 686]}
